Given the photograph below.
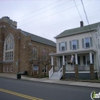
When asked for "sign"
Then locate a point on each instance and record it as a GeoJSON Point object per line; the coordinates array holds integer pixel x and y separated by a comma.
{"type": "Point", "coordinates": [35, 67]}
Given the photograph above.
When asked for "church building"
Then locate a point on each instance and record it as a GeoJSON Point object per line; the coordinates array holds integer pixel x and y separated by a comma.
{"type": "Point", "coordinates": [21, 51]}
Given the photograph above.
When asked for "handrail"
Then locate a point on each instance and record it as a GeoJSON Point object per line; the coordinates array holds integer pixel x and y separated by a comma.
{"type": "Point", "coordinates": [60, 72]}
{"type": "Point", "coordinates": [50, 72]}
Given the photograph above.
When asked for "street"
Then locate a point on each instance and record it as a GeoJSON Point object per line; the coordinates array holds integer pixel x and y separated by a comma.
{"type": "Point", "coordinates": [11, 89]}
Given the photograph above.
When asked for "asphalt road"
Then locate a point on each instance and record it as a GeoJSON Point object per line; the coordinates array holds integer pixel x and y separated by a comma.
{"type": "Point", "coordinates": [10, 87]}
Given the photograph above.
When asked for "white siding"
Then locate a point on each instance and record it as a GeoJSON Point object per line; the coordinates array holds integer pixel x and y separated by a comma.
{"type": "Point", "coordinates": [77, 37]}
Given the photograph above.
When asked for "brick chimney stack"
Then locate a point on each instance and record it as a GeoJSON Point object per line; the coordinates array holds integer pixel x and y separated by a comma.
{"type": "Point", "coordinates": [81, 24]}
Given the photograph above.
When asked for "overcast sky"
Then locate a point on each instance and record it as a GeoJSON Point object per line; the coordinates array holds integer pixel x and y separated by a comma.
{"type": "Point", "coordinates": [48, 18]}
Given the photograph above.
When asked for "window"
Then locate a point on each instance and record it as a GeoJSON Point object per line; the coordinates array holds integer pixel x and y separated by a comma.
{"type": "Point", "coordinates": [98, 44]}
{"type": "Point", "coordinates": [86, 60]}
{"type": "Point", "coordinates": [87, 42]}
{"type": "Point", "coordinates": [10, 69]}
{"type": "Point", "coordinates": [7, 69]}
{"type": "Point", "coordinates": [3, 69]}
{"type": "Point", "coordinates": [79, 60]}
{"type": "Point", "coordinates": [9, 48]}
{"type": "Point", "coordinates": [35, 53]}
{"type": "Point", "coordinates": [44, 69]}
{"type": "Point", "coordinates": [44, 54]}
{"type": "Point", "coordinates": [62, 46]}
{"type": "Point", "coordinates": [74, 44]}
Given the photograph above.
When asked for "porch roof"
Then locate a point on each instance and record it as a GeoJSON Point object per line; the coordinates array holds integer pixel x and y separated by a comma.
{"type": "Point", "coordinates": [73, 52]}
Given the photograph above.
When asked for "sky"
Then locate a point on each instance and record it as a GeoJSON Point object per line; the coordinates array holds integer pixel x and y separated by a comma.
{"type": "Point", "coordinates": [48, 18]}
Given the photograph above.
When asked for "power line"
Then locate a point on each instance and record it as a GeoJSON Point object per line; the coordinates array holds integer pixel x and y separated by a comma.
{"type": "Point", "coordinates": [87, 20]}
{"type": "Point", "coordinates": [62, 22]}
{"type": "Point", "coordinates": [46, 10]}
{"type": "Point", "coordinates": [77, 10]}
{"type": "Point", "coordinates": [49, 15]}
{"type": "Point", "coordinates": [39, 9]}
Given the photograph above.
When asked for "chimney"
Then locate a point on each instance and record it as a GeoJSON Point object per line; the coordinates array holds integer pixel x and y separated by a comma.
{"type": "Point", "coordinates": [81, 24]}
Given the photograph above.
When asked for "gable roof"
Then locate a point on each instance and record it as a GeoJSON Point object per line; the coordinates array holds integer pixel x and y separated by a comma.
{"type": "Point", "coordinates": [40, 39]}
{"type": "Point", "coordinates": [78, 30]}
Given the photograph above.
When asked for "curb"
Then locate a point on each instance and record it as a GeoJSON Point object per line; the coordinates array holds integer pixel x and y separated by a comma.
{"type": "Point", "coordinates": [68, 84]}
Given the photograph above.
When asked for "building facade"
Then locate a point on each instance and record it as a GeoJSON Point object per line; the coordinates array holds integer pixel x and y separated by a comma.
{"type": "Point", "coordinates": [78, 52]}
{"type": "Point", "coordinates": [22, 51]}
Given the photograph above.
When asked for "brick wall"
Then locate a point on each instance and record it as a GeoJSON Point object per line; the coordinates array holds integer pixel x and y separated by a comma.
{"type": "Point", "coordinates": [22, 51]}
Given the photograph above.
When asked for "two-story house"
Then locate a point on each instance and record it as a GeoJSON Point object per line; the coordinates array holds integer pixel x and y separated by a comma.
{"type": "Point", "coordinates": [77, 53]}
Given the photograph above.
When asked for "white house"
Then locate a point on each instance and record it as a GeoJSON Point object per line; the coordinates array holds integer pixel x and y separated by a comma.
{"type": "Point", "coordinates": [77, 53]}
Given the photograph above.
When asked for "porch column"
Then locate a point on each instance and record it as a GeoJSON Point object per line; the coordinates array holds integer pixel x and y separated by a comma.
{"type": "Point", "coordinates": [63, 66]}
{"type": "Point", "coordinates": [76, 66]}
{"type": "Point", "coordinates": [91, 61]}
{"type": "Point", "coordinates": [52, 63]}
{"type": "Point", "coordinates": [63, 60]}
{"type": "Point", "coordinates": [76, 59]}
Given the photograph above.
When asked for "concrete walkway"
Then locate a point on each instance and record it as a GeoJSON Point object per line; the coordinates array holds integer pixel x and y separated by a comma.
{"type": "Point", "coordinates": [46, 80]}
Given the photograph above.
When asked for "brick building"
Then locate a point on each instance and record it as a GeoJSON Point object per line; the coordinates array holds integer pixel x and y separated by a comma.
{"type": "Point", "coordinates": [22, 51]}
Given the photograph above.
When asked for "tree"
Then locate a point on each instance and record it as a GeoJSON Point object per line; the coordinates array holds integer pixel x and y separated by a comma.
{"type": "Point", "coordinates": [45, 63]}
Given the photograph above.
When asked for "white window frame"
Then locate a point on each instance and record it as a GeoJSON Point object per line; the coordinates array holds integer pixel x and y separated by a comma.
{"type": "Point", "coordinates": [85, 42]}
{"type": "Point", "coordinates": [65, 46]}
{"type": "Point", "coordinates": [8, 48]}
{"type": "Point", "coordinates": [72, 44]}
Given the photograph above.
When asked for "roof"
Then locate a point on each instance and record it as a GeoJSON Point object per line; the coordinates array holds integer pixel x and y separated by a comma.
{"type": "Point", "coordinates": [40, 39]}
{"type": "Point", "coordinates": [78, 30]}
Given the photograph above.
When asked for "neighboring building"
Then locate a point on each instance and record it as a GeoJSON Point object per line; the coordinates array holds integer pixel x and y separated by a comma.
{"type": "Point", "coordinates": [78, 53]}
{"type": "Point", "coordinates": [22, 51]}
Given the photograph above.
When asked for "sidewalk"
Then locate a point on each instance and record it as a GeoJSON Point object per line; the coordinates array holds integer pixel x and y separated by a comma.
{"type": "Point", "coordinates": [46, 80]}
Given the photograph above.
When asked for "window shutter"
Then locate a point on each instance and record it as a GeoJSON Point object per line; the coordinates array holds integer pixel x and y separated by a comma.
{"type": "Point", "coordinates": [91, 42]}
{"type": "Point", "coordinates": [82, 43]}
{"type": "Point", "coordinates": [70, 45]}
{"type": "Point", "coordinates": [77, 44]}
{"type": "Point", "coordinates": [65, 45]}
{"type": "Point", "coordinates": [59, 47]}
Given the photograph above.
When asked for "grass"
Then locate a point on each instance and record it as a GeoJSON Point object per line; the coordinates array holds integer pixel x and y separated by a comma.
{"type": "Point", "coordinates": [83, 80]}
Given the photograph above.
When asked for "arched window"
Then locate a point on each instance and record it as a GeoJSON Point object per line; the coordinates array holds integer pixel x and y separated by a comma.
{"type": "Point", "coordinates": [44, 54]}
{"type": "Point", "coordinates": [35, 53]}
{"type": "Point", "coordinates": [9, 48]}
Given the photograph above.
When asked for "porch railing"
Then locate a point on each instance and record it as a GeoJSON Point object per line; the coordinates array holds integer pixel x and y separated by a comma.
{"type": "Point", "coordinates": [85, 67]}
{"type": "Point", "coordinates": [50, 72]}
{"type": "Point", "coordinates": [80, 67]}
{"type": "Point", "coordinates": [60, 72]}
